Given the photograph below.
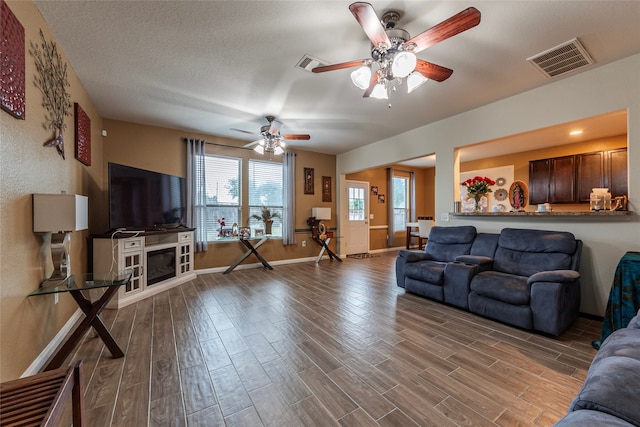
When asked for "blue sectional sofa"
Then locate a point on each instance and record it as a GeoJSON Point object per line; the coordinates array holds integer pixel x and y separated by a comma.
{"type": "Point", "coordinates": [609, 395]}
{"type": "Point", "coordinates": [522, 277]}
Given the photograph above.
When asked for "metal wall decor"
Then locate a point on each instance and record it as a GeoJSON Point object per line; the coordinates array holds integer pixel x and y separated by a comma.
{"type": "Point", "coordinates": [83, 135]}
{"type": "Point", "coordinates": [308, 181]}
{"type": "Point", "coordinates": [51, 79]}
{"type": "Point", "coordinates": [326, 188]}
{"type": "Point", "coordinates": [12, 64]}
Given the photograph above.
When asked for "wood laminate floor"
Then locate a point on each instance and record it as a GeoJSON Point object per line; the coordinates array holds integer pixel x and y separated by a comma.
{"type": "Point", "coordinates": [327, 344]}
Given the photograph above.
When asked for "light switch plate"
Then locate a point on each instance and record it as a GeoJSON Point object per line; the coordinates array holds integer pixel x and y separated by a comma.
{"type": "Point", "coordinates": [444, 216]}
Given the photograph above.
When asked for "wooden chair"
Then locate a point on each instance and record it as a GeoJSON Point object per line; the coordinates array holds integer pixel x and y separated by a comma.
{"type": "Point", "coordinates": [40, 400]}
{"type": "Point", "coordinates": [424, 227]}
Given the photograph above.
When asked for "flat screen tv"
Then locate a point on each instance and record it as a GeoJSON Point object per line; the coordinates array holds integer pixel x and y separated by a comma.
{"type": "Point", "coordinates": [142, 199]}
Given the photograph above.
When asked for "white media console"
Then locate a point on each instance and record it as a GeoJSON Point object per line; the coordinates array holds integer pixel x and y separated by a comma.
{"type": "Point", "coordinates": [159, 260]}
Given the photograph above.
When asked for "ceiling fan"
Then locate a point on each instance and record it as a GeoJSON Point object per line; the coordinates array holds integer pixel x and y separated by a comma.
{"type": "Point", "coordinates": [394, 52]}
{"type": "Point", "coordinates": [272, 139]}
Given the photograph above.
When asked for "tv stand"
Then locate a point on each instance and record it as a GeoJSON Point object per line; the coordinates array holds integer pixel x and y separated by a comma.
{"type": "Point", "coordinates": [160, 260]}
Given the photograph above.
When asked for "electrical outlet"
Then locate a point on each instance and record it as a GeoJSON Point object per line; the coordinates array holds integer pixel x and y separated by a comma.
{"type": "Point", "coordinates": [304, 243]}
{"type": "Point", "coordinates": [444, 216]}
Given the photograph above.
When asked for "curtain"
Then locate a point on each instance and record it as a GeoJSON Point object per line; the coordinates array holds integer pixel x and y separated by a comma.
{"type": "Point", "coordinates": [196, 193]}
{"type": "Point", "coordinates": [390, 232]}
{"type": "Point", "coordinates": [412, 201]}
{"type": "Point", "coordinates": [289, 202]}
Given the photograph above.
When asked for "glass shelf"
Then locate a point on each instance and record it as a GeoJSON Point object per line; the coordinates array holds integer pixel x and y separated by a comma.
{"type": "Point", "coordinates": [83, 282]}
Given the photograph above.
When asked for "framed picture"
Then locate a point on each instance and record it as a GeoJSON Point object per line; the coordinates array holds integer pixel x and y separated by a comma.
{"type": "Point", "coordinates": [227, 232]}
{"type": "Point", "coordinates": [259, 232]}
{"type": "Point", "coordinates": [326, 188]}
{"type": "Point", "coordinates": [83, 135]}
{"type": "Point", "coordinates": [244, 232]}
{"type": "Point", "coordinates": [374, 190]}
{"type": "Point", "coordinates": [380, 198]}
{"type": "Point", "coordinates": [12, 75]}
{"type": "Point", "coordinates": [308, 181]}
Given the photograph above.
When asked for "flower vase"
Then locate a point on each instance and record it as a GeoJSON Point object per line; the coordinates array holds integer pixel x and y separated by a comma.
{"type": "Point", "coordinates": [480, 206]}
{"type": "Point", "coordinates": [267, 225]}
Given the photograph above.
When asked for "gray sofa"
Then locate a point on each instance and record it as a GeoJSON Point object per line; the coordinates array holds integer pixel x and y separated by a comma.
{"type": "Point", "coordinates": [526, 278]}
{"type": "Point", "coordinates": [609, 395]}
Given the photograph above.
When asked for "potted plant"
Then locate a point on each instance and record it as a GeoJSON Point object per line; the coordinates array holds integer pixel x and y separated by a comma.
{"type": "Point", "coordinates": [267, 217]}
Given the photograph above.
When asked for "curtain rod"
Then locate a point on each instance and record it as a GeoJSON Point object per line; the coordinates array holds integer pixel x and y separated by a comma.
{"type": "Point", "coordinates": [223, 145]}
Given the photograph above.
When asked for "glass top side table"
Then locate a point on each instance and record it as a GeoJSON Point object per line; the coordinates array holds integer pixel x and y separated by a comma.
{"type": "Point", "coordinates": [75, 285]}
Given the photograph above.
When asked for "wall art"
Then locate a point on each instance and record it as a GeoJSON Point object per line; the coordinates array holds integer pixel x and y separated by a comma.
{"type": "Point", "coordinates": [326, 188]}
{"type": "Point", "coordinates": [308, 181]}
{"type": "Point", "coordinates": [12, 68]}
{"type": "Point", "coordinates": [83, 135]}
{"type": "Point", "coordinates": [51, 79]}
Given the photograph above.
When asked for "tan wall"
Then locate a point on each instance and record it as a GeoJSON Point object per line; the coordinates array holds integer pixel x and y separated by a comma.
{"type": "Point", "coordinates": [28, 324]}
{"type": "Point", "coordinates": [164, 150]}
{"type": "Point", "coordinates": [377, 177]}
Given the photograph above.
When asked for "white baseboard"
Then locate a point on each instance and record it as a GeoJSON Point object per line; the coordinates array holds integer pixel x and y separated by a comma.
{"type": "Point", "coordinates": [39, 363]}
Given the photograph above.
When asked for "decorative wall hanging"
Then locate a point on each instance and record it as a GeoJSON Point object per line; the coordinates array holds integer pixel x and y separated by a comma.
{"type": "Point", "coordinates": [12, 68]}
{"type": "Point", "coordinates": [326, 188]}
{"type": "Point", "coordinates": [83, 135]}
{"type": "Point", "coordinates": [52, 81]}
{"type": "Point", "coordinates": [308, 181]}
{"type": "Point", "coordinates": [380, 198]}
{"type": "Point", "coordinates": [374, 190]}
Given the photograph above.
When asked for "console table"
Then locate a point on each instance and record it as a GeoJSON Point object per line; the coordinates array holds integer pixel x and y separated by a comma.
{"type": "Point", "coordinates": [253, 249]}
{"type": "Point", "coordinates": [75, 285]}
{"type": "Point", "coordinates": [324, 244]}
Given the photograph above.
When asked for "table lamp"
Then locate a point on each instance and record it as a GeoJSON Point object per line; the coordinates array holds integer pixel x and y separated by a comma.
{"type": "Point", "coordinates": [60, 214]}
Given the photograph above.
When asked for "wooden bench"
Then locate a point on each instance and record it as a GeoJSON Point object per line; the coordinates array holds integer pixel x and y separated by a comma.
{"type": "Point", "coordinates": [40, 400]}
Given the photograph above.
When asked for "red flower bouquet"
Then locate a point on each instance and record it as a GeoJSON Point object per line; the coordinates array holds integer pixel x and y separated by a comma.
{"type": "Point", "coordinates": [478, 185]}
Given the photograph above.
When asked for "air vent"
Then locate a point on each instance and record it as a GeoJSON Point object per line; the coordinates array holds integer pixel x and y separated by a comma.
{"type": "Point", "coordinates": [308, 63]}
{"type": "Point", "coordinates": [562, 59]}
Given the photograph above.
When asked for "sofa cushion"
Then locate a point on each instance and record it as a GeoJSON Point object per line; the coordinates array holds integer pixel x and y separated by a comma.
{"type": "Point", "coordinates": [612, 387]}
{"type": "Point", "coordinates": [586, 418]}
{"type": "Point", "coordinates": [446, 243]}
{"type": "Point", "coordinates": [621, 343]}
{"type": "Point", "coordinates": [426, 271]}
{"type": "Point", "coordinates": [503, 287]}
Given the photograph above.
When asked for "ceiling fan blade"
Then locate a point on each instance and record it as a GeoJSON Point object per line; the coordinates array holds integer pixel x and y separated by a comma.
{"type": "Point", "coordinates": [244, 131]}
{"type": "Point", "coordinates": [251, 144]}
{"type": "Point", "coordinates": [296, 136]}
{"type": "Point", "coordinates": [433, 71]}
{"type": "Point", "coordinates": [458, 23]}
{"type": "Point", "coordinates": [275, 127]}
{"type": "Point", "coordinates": [340, 65]}
{"type": "Point", "coordinates": [370, 23]}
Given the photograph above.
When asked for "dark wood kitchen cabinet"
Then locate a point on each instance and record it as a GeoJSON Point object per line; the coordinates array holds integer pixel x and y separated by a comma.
{"type": "Point", "coordinates": [570, 179]}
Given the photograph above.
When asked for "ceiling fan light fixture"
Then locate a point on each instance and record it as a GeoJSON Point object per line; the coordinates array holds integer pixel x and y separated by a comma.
{"type": "Point", "coordinates": [379, 92]}
{"type": "Point", "coordinates": [259, 148]}
{"type": "Point", "coordinates": [361, 76]}
{"type": "Point", "coordinates": [278, 150]}
{"type": "Point", "coordinates": [403, 64]}
{"type": "Point", "coordinates": [414, 81]}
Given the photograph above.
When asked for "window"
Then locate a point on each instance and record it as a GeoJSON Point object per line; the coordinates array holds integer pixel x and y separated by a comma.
{"type": "Point", "coordinates": [400, 203]}
{"type": "Point", "coordinates": [356, 204]}
{"type": "Point", "coordinates": [265, 190]}
{"type": "Point", "coordinates": [223, 193]}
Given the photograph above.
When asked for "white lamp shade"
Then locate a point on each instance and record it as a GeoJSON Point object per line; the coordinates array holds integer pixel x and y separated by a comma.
{"type": "Point", "coordinates": [414, 81]}
{"type": "Point", "coordinates": [60, 212]}
{"type": "Point", "coordinates": [361, 77]}
{"type": "Point", "coordinates": [403, 63]}
{"type": "Point", "coordinates": [278, 150]}
{"type": "Point", "coordinates": [379, 92]}
{"type": "Point", "coordinates": [321, 213]}
{"type": "Point", "coordinates": [259, 149]}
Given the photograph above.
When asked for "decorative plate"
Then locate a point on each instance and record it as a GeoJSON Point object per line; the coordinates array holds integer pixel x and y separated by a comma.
{"type": "Point", "coordinates": [500, 181]}
{"type": "Point", "coordinates": [501, 194]}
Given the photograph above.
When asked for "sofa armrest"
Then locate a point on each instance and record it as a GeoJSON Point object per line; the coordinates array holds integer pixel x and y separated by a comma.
{"type": "Point", "coordinates": [557, 276]}
{"type": "Point", "coordinates": [483, 262]}
{"type": "Point", "coordinates": [413, 256]}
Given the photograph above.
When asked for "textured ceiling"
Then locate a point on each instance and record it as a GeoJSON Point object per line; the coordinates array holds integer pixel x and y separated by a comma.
{"type": "Point", "coordinates": [210, 66]}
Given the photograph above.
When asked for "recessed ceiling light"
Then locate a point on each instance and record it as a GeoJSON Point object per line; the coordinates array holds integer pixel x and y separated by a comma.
{"type": "Point", "coordinates": [575, 132]}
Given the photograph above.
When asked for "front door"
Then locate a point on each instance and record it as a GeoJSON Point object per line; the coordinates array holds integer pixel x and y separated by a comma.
{"type": "Point", "coordinates": [357, 241]}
